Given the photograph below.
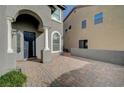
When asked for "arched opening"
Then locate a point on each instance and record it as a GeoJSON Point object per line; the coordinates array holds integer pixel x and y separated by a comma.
{"type": "Point", "coordinates": [28, 27]}
{"type": "Point", "coordinates": [30, 15]}
{"type": "Point", "coordinates": [56, 42]}
{"type": "Point", "coordinates": [27, 20]}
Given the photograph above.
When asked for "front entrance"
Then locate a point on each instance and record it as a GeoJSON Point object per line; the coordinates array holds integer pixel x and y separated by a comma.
{"type": "Point", "coordinates": [29, 44]}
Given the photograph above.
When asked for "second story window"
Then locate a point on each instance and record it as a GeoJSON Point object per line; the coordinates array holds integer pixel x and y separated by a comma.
{"type": "Point", "coordinates": [98, 18]}
{"type": "Point", "coordinates": [56, 15]}
{"type": "Point", "coordinates": [84, 22]}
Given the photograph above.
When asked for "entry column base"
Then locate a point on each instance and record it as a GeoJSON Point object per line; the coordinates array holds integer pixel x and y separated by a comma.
{"type": "Point", "coordinates": [46, 56]}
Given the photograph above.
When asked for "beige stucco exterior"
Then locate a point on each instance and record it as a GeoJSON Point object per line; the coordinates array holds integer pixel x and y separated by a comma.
{"type": "Point", "coordinates": [108, 35]}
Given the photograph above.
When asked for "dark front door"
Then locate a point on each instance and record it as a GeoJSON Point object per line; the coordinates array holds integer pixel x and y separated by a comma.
{"type": "Point", "coordinates": [29, 44]}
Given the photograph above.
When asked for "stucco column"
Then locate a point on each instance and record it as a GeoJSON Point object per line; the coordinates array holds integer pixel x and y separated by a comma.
{"type": "Point", "coordinates": [46, 38]}
{"type": "Point", "coordinates": [9, 34]}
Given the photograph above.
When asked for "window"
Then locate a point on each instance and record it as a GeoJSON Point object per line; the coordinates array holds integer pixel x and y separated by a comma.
{"type": "Point", "coordinates": [69, 27]}
{"type": "Point", "coordinates": [84, 24]}
{"type": "Point", "coordinates": [83, 44]}
{"type": "Point", "coordinates": [98, 18]}
{"type": "Point", "coordinates": [18, 42]}
{"type": "Point", "coordinates": [66, 30]}
{"type": "Point", "coordinates": [56, 15]}
{"type": "Point", "coordinates": [56, 42]}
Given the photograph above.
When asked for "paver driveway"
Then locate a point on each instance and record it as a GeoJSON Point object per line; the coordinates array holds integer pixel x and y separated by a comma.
{"type": "Point", "coordinates": [72, 71]}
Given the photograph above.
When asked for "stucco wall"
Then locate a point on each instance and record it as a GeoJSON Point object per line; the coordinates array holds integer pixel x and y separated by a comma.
{"type": "Point", "coordinates": [108, 35]}
{"type": "Point", "coordinates": [56, 26]}
{"type": "Point", "coordinates": [110, 56]}
{"type": "Point", "coordinates": [7, 61]}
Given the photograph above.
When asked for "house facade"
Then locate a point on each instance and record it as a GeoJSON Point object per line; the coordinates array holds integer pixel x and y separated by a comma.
{"type": "Point", "coordinates": [29, 31]}
{"type": "Point", "coordinates": [95, 31]}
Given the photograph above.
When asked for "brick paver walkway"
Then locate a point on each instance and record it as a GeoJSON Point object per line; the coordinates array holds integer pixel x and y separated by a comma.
{"type": "Point", "coordinates": [72, 71]}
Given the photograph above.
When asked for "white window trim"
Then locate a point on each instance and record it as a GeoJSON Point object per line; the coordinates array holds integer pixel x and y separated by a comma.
{"type": "Point", "coordinates": [52, 42]}
{"type": "Point", "coordinates": [60, 21]}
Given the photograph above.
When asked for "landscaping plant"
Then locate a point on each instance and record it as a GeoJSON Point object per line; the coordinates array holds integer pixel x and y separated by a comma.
{"type": "Point", "coordinates": [13, 79]}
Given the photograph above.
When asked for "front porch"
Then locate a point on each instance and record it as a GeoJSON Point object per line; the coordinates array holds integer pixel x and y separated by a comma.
{"type": "Point", "coordinates": [28, 37]}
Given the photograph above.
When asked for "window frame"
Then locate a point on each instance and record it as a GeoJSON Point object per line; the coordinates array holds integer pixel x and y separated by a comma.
{"type": "Point", "coordinates": [82, 23]}
{"type": "Point", "coordinates": [85, 44]}
{"type": "Point", "coordinates": [60, 15]}
{"type": "Point", "coordinates": [98, 20]}
{"type": "Point", "coordinates": [52, 51]}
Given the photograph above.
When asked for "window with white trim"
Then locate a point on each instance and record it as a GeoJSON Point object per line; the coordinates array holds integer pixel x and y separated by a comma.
{"type": "Point", "coordinates": [56, 42]}
{"type": "Point", "coordinates": [56, 15]}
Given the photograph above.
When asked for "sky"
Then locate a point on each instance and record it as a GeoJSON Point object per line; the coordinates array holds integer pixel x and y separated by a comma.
{"type": "Point", "coordinates": [68, 9]}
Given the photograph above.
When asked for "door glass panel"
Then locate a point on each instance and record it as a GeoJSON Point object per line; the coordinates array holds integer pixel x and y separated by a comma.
{"type": "Point", "coordinates": [29, 44]}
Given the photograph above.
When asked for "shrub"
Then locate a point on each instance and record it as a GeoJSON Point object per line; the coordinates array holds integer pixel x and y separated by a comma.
{"type": "Point", "coordinates": [13, 79]}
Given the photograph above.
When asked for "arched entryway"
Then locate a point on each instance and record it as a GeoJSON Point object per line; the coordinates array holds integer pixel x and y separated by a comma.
{"type": "Point", "coordinates": [28, 27]}
{"type": "Point", "coordinates": [31, 13]}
